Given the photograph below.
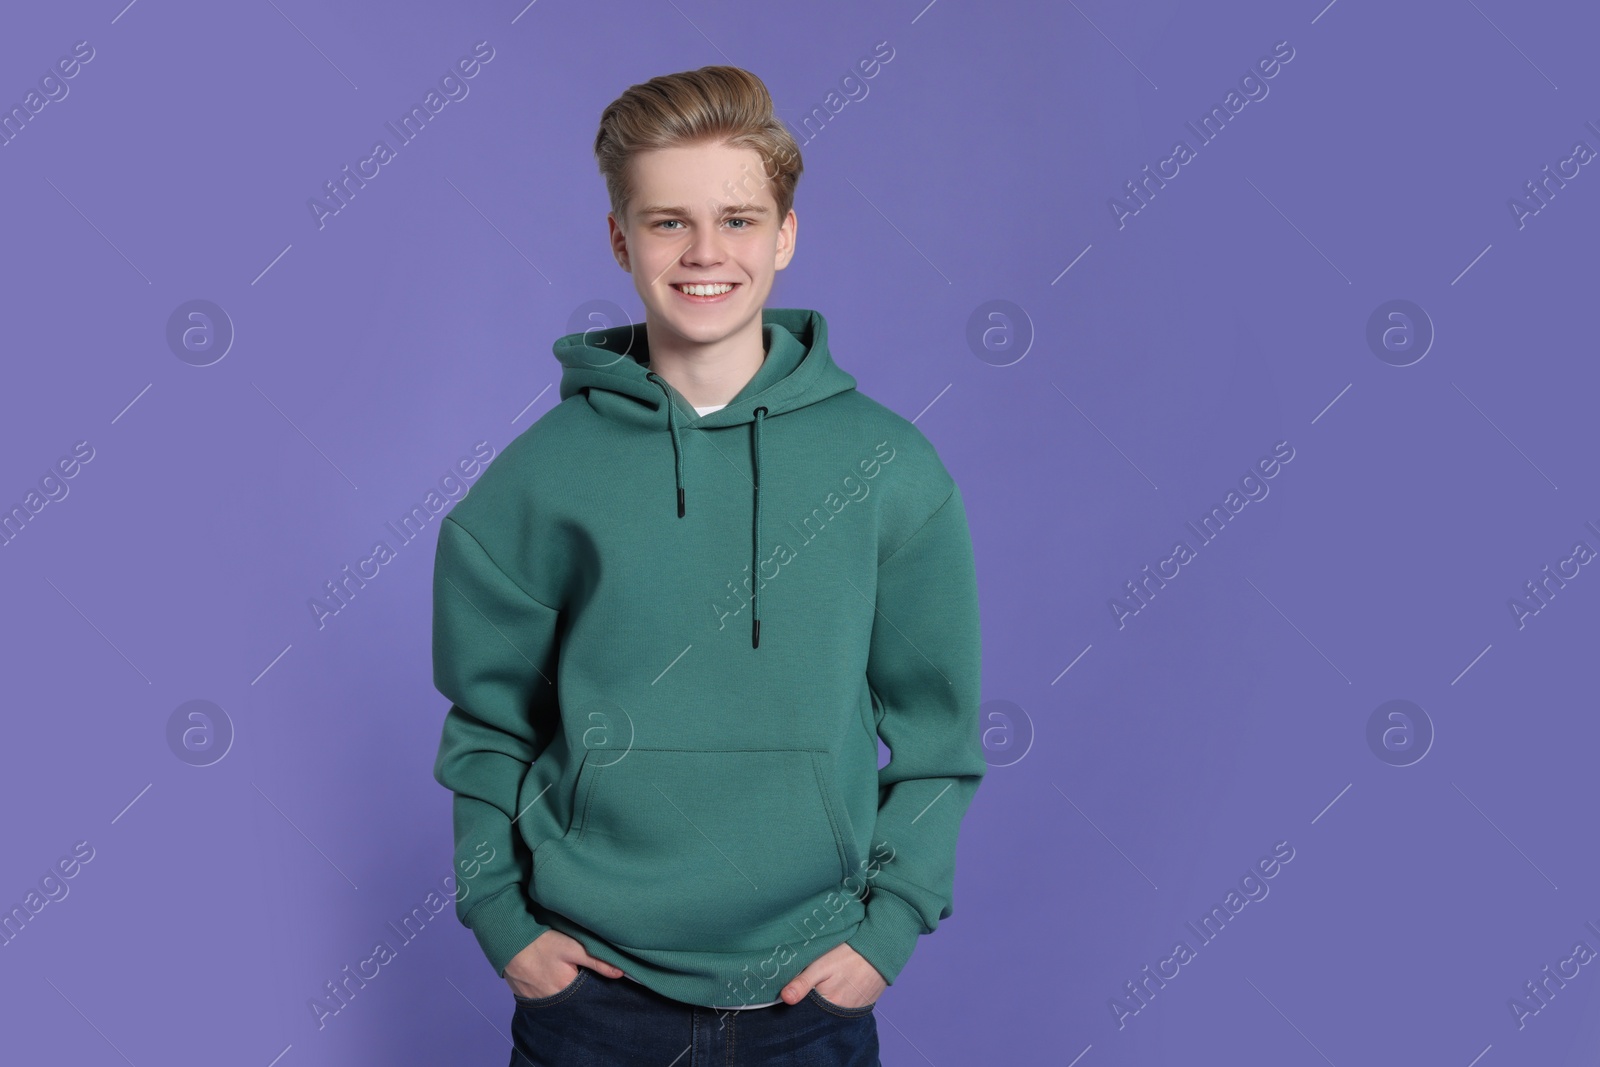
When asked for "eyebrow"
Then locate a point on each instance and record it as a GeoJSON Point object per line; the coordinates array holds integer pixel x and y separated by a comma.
{"type": "Point", "coordinates": [732, 209]}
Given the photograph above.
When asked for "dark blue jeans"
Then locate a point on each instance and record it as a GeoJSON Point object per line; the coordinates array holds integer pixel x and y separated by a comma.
{"type": "Point", "coordinates": [614, 1022]}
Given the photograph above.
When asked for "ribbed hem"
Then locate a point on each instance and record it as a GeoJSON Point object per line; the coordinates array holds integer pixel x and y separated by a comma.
{"type": "Point", "coordinates": [504, 926]}
{"type": "Point", "coordinates": [700, 978]}
{"type": "Point", "coordinates": [887, 936]}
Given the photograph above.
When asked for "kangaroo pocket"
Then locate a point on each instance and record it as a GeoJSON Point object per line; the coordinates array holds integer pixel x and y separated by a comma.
{"type": "Point", "coordinates": [708, 851]}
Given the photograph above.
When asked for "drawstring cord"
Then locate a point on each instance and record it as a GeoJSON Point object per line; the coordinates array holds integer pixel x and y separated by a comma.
{"type": "Point", "coordinates": [672, 428]}
{"type": "Point", "coordinates": [755, 534]}
{"type": "Point", "coordinates": [755, 524]}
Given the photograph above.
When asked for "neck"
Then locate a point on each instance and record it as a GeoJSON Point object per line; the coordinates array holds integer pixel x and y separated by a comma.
{"type": "Point", "coordinates": [707, 374]}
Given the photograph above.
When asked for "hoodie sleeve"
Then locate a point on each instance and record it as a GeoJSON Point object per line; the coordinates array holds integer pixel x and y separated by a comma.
{"type": "Point", "coordinates": [493, 651]}
{"type": "Point", "coordinates": [924, 666]}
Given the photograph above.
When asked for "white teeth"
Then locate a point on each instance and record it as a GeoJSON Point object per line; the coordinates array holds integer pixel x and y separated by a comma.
{"type": "Point", "coordinates": [704, 290]}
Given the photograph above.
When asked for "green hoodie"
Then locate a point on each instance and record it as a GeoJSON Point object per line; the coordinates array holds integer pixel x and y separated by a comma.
{"type": "Point", "coordinates": [695, 798]}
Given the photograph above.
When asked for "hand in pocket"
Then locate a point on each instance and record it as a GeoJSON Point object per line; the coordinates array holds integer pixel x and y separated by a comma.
{"type": "Point", "coordinates": [841, 976]}
{"type": "Point", "coordinates": [549, 964]}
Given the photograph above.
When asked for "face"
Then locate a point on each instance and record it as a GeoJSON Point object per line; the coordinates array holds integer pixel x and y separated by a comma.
{"type": "Point", "coordinates": [702, 214]}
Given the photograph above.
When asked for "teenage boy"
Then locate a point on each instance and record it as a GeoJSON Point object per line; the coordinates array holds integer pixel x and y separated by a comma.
{"type": "Point", "coordinates": [675, 616]}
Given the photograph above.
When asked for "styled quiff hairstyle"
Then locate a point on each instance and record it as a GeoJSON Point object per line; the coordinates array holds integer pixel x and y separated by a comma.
{"type": "Point", "coordinates": [718, 104]}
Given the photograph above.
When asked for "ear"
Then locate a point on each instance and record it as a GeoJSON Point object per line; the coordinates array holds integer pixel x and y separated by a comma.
{"type": "Point", "coordinates": [786, 241]}
{"type": "Point", "coordinates": [619, 242]}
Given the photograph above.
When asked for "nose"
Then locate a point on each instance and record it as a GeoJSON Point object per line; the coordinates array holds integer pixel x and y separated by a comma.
{"type": "Point", "coordinates": [704, 248]}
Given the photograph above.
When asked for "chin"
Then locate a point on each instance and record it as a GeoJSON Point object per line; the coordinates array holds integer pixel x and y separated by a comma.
{"type": "Point", "coordinates": [705, 324]}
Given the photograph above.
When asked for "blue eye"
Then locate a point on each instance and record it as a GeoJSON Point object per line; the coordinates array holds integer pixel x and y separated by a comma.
{"type": "Point", "coordinates": [669, 222]}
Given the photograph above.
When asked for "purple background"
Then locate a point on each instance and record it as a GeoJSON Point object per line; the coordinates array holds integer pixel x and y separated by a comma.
{"type": "Point", "coordinates": [1129, 793]}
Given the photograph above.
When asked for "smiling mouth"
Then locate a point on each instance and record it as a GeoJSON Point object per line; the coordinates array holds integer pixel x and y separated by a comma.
{"type": "Point", "coordinates": [704, 290]}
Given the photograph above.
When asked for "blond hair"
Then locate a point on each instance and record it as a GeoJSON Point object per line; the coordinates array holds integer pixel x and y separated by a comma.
{"type": "Point", "coordinates": [716, 104]}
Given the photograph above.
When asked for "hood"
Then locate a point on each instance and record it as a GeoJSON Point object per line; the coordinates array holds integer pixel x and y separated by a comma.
{"type": "Point", "coordinates": [608, 367]}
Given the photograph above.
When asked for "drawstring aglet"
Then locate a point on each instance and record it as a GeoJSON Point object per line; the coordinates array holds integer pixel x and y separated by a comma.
{"type": "Point", "coordinates": [680, 501]}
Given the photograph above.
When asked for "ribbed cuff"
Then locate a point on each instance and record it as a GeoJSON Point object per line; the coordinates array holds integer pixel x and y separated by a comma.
{"type": "Point", "coordinates": [887, 936]}
{"type": "Point", "coordinates": [504, 926]}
